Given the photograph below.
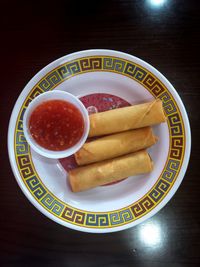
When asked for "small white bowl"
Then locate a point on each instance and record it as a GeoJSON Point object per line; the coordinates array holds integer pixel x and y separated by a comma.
{"type": "Point", "coordinates": [54, 95]}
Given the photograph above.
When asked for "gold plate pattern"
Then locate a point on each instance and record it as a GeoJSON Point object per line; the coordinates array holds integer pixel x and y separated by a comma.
{"type": "Point", "coordinates": [164, 183]}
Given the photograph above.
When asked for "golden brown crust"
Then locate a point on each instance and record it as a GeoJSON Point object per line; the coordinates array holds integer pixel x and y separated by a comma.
{"type": "Point", "coordinates": [123, 119]}
{"type": "Point", "coordinates": [108, 171]}
{"type": "Point", "coordinates": [115, 145]}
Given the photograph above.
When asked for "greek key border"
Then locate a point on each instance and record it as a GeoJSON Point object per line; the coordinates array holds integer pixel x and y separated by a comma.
{"type": "Point", "coordinates": [168, 176]}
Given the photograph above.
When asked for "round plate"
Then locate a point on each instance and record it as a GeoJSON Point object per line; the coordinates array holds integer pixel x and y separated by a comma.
{"type": "Point", "coordinates": [108, 78]}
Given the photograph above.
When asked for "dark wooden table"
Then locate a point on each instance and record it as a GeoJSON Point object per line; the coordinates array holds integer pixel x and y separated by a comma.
{"type": "Point", "coordinates": [34, 33]}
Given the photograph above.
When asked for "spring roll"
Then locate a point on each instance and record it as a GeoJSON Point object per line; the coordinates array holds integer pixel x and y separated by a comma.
{"type": "Point", "coordinates": [100, 173]}
{"type": "Point", "coordinates": [115, 145]}
{"type": "Point", "coordinates": [127, 118]}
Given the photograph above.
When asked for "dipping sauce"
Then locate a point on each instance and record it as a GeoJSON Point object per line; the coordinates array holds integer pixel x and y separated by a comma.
{"type": "Point", "coordinates": [56, 125]}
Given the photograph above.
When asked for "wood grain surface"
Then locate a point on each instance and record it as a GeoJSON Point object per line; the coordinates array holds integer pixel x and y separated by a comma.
{"type": "Point", "coordinates": [34, 33]}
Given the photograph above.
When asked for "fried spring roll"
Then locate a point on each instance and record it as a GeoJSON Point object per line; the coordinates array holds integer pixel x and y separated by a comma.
{"type": "Point", "coordinates": [115, 145]}
{"type": "Point", "coordinates": [123, 119]}
{"type": "Point", "coordinates": [90, 176]}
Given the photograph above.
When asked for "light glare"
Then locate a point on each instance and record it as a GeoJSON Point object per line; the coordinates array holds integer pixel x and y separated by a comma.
{"type": "Point", "coordinates": [157, 2]}
{"type": "Point", "coordinates": [150, 234]}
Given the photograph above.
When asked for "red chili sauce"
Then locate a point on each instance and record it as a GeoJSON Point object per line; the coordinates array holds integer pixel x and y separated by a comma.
{"type": "Point", "coordinates": [56, 125]}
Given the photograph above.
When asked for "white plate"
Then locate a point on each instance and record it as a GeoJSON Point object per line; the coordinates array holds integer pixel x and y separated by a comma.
{"type": "Point", "coordinates": [118, 206]}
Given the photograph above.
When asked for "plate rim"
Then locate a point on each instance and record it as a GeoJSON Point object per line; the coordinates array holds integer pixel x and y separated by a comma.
{"type": "Point", "coordinates": [187, 142]}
